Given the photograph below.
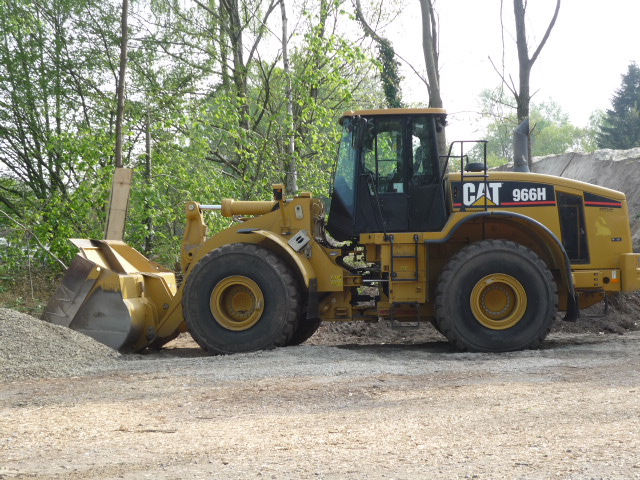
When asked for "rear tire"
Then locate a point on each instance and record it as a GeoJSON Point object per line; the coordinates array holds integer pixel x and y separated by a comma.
{"type": "Point", "coordinates": [496, 296]}
{"type": "Point", "coordinates": [241, 298]}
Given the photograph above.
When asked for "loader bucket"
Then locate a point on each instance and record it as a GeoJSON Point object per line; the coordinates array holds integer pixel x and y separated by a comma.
{"type": "Point", "coordinates": [114, 294]}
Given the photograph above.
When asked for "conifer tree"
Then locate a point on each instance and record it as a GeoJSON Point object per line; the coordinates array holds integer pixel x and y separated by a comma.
{"type": "Point", "coordinates": [620, 128]}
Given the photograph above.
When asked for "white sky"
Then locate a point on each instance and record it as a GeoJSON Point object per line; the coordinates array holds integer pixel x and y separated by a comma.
{"type": "Point", "coordinates": [580, 66]}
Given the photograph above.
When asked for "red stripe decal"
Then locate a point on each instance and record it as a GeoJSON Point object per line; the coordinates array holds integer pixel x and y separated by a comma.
{"type": "Point", "coordinates": [511, 204]}
{"type": "Point", "coordinates": [603, 204]}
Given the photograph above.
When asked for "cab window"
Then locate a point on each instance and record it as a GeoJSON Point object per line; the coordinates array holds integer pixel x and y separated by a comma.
{"type": "Point", "coordinates": [383, 157]}
{"type": "Point", "coordinates": [423, 152]}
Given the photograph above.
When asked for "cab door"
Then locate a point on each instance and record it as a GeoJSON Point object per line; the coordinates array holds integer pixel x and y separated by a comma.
{"type": "Point", "coordinates": [382, 191]}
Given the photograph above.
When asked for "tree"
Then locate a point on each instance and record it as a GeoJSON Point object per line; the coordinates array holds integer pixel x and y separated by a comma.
{"type": "Point", "coordinates": [120, 86]}
{"type": "Point", "coordinates": [590, 141]}
{"type": "Point", "coordinates": [430, 52]}
{"type": "Point", "coordinates": [620, 127]}
{"type": "Point", "coordinates": [121, 187]}
{"type": "Point", "coordinates": [552, 133]}
{"type": "Point", "coordinates": [292, 170]}
{"type": "Point", "coordinates": [207, 94]}
{"type": "Point", "coordinates": [522, 93]}
{"type": "Point", "coordinates": [55, 118]}
{"type": "Point", "coordinates": [208, 142]}
{"type": "Point", "coordinates": [551, 130]}
{"type": "Point", "coordinates": [389, 75]}
{"type": "Point", "coordinates": [431, 56]}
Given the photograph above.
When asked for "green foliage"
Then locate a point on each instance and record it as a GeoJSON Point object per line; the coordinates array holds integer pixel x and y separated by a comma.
{"type": "Point", "coordinates": [620, 126]}
{"type": "Point", "coordinates": [54, 127]}
{"type": "Point", "coordinates": [591, 131]}
{"type": "Point", "coordinates": [389, 74]}
{"type": "Point", "coordinates": [551, 131]}
{"type": "Point", "coordinates": [203, 85]}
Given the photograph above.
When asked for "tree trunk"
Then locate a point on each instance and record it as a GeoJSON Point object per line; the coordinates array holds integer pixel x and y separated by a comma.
{"type": "Point", "coordinates": [429, 43]}
{"type": "Point", "coordinates": [430, 51]}
{"type": "Point", "coordinates": [389, 76]}
{"type": "Point", "coordinates": [291, 167]}
{"type": "Point", "coordinates": [239, 71]}
{"type": "Point", "coordinates": [120, 90]}
{"type": "Point", "coordinates": [523, 95]}
{"type": "Point", "coordinates": [149, 237]}
{"type": "Point", "coordinates": [121, 187]}
{"type": "Point", "coordinates": [224, 54]}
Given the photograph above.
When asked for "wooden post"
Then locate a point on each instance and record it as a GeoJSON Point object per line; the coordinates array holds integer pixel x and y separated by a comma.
{"type": "Point", "coordinates": [119, 203]}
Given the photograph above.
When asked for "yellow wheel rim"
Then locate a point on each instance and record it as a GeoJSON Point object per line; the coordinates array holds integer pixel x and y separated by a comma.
{"type": "Point", "coordinates": [237, 303]}
{"type": "Point", "coordinates": [498, 301]}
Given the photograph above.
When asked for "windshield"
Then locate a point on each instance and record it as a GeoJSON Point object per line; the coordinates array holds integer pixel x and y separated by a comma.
{"type": "Point", "coordinates": [341, 210]}
{"type": "Point", "coordinates": [344, 181]}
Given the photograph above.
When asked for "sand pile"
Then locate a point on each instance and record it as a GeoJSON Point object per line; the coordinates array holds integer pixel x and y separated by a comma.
{"type": "Point", "coordinates": [32, 348]}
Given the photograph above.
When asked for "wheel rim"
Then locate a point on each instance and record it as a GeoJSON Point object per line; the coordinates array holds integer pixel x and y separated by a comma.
{"type": "Point", "coordinates": [498, 301]}
{"type": "Point", "coordinates": [237, 303]}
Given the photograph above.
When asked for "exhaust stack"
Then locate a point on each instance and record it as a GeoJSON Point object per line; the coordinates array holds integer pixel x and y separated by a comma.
{"type": "Point", "coordinates": [521, 147]}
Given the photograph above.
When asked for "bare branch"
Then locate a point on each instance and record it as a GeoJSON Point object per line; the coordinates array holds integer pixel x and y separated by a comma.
{"type": "Point", "coordinates": [511, 88]}
{"type": "Point", "coordinates": [546, 34]}
{"type": "Point", "coordinates": [263, 22]}
{"type": "Point", "coordinates": [418, 74]}
{"type": "Point", "coordinates": [367, 29]}
{"type": "Point", "coordinates": [35, 237]}
{"type": "Point", "coordinates": [206, 8]}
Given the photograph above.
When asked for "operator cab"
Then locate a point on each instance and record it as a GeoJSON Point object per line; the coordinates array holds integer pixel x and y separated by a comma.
{"type": "Point", "coordinates": [389, 174]}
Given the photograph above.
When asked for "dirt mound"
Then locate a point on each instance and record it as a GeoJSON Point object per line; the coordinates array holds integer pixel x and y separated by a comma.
{"type": "Point", "coordinates": [375, 333]}
{"type": "Point", "coordinates": [32, 348]}
{"type": "Point", "coordinates": [620, 315]}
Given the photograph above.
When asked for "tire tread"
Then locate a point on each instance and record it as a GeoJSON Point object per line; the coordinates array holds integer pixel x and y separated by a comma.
{"type": "Point", "coordinates": [279, 266]}
{"type": "Point", "coordinates": [463, 256]}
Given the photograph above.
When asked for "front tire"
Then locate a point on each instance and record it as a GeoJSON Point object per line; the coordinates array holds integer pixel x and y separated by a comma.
{"type": "Point", "coordinates": [241, 298]}
{"type": "Point", "coordinates": [496, 296]}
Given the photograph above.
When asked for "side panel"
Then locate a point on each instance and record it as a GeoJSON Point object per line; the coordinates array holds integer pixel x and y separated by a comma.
{"type": "Point", "coordinates": [475, 193]}
{"type": "Point", "coordinates": [608, 230]}
{"type": "Point", "coordinates": [592, 222]}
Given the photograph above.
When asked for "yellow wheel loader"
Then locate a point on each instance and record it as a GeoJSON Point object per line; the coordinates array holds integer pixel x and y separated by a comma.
{"type": "Point", "coordinates": [411, 235]}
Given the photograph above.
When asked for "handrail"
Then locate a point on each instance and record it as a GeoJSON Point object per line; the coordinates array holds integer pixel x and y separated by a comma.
{"type": "Point", "coordinates": [462, 158]}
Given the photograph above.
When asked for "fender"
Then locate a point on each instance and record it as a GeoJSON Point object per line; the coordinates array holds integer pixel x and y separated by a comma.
{"type": "Point", "coordinates": [276, 242]}
{"type": "Point", "coordinates": [256, 236]}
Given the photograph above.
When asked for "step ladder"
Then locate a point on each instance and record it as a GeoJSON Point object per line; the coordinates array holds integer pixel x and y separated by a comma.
{"type": "Point", "coordinates": [396, 276]}
{"type": "Point", "coordinates": [395, 257]}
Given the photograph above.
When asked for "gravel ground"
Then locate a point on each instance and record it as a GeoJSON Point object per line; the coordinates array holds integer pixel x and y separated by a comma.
{"type": "Point", "coordinates": [31, 348]}
{"type": "Point", "coordinates": [404, 407]}
{"type": "Point", "coordinates": [570, 410]}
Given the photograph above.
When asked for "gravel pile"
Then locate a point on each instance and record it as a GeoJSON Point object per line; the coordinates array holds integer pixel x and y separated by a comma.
{"type": "Point", "coordinates": [32, 348]}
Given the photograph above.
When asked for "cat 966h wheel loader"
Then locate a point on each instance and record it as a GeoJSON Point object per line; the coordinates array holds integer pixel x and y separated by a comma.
{"type": "Point", "coordinates": [488, 258]}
